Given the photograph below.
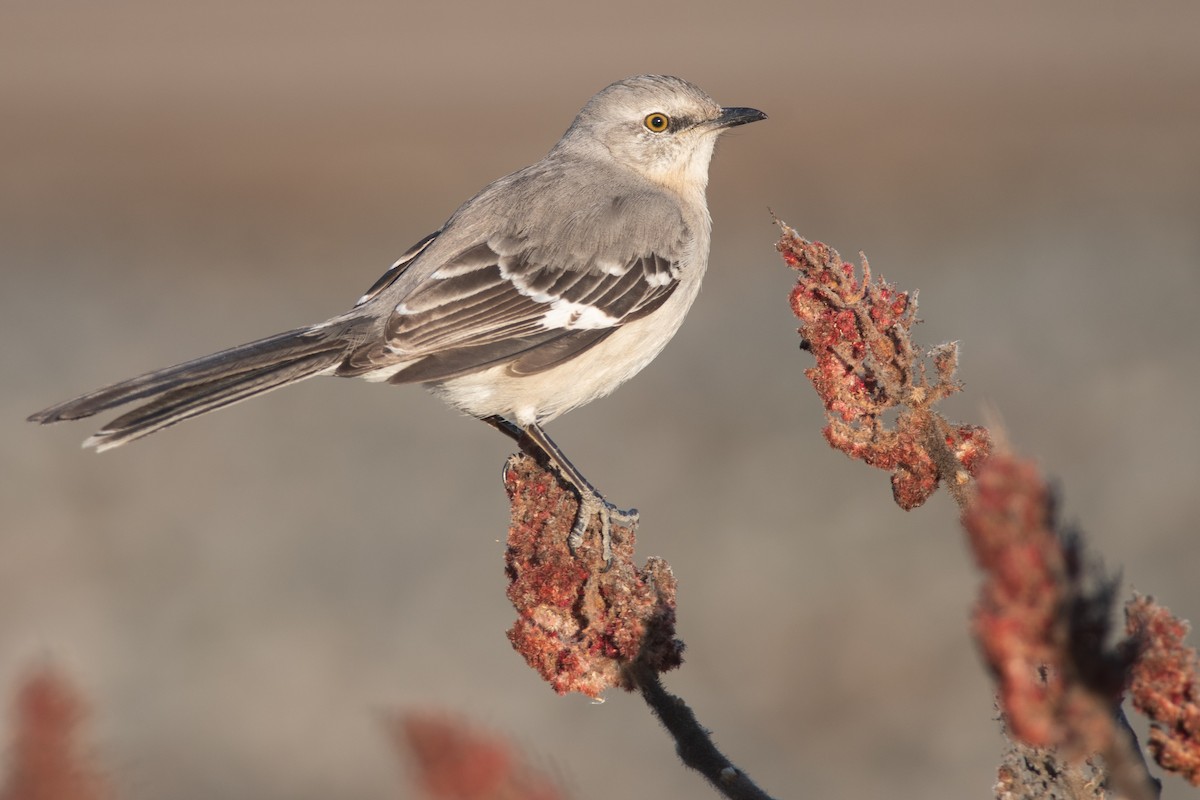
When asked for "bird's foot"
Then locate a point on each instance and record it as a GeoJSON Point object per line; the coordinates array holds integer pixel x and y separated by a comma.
{"type": "Point", "coordinates": [590, 505]}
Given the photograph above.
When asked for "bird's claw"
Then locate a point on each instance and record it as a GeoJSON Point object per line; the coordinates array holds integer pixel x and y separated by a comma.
{"type": "Point", "coordinates": [591, 504]}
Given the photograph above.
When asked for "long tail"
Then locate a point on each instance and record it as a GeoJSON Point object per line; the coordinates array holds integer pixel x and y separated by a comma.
{"type": "Point", "coordinates": [204, 384]}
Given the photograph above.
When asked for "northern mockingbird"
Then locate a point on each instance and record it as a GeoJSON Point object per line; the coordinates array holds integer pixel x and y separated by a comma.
{"type": "Point", "coordinates": [550, 288]}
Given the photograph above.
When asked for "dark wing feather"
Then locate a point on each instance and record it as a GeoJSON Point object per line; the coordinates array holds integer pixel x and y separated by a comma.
{"type": "Point", "coordinates": [557, 351]}
{"type": "Point", "coordinates": [539, 352]}
{"type": "Point", "coordinates": [396, 269]}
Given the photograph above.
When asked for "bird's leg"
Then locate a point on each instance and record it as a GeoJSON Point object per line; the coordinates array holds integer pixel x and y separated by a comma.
{"type": "Point", "coordinates": [534, 440]}
{"type": "Point", "coordinates": [590, 501]}
{"type": "Point", "coordinates": [509, 429]}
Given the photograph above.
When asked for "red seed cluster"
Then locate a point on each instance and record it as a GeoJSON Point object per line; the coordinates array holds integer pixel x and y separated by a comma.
{"type": "Point", "coordinates": [1166, 686]}
{"type": "Point", "coordinates": [858, 331]}
{"type": "Point", "coordinates": [579, 622]}
{"type": "Point", "coordinates": [1018, 620]}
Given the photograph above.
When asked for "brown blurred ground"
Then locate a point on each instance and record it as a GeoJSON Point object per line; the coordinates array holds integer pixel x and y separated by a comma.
{"type": "Point", "coordinates": [241, 596]}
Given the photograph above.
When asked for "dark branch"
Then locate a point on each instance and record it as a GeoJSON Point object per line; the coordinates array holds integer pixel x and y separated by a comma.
{"type": "Point", "coordinates": [692, 742]}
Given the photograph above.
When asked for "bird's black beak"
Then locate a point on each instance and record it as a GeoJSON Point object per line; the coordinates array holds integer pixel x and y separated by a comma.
{"type": "Point", "coordinates": [731, 117]}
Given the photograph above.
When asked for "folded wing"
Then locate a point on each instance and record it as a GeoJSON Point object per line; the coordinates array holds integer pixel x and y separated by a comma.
{"type": "Point", "coordinates": [497, 302]}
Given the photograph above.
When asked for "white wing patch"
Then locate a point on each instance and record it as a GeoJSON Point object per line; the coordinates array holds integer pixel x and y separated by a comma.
{"type": "Point", "coordinates": [664, 278]}
{"type": "Point", "coordinates": [609, 267]}
{"type": "Point", "coordinates": [565, 315]}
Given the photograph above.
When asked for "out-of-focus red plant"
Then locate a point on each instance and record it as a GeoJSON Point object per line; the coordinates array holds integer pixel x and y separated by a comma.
{"type": "Point", "coordinates": [44, 761]}
{"type": "Point", "coordinates": [1040, 626]}
{"type": "Point", "coordinates": [581, 622]}
{"type": "Point", "coordinates": [1166, 686]}
{"type": "Point", "coordinates": [1043, 616]}
{"type": "Point", "coordinates": [454, 761]}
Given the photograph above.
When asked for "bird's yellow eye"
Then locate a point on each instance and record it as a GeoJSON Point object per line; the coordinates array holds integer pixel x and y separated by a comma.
{"type": "Point", "coordinates": [657, 122]}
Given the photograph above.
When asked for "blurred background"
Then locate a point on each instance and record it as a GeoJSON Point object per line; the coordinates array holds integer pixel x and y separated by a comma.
{"type": "Point", "coordinates": [243, 597]}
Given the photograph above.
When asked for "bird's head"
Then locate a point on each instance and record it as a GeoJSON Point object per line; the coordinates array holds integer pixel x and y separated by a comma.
{"type": "Point", "coordinates": [662, 127]}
